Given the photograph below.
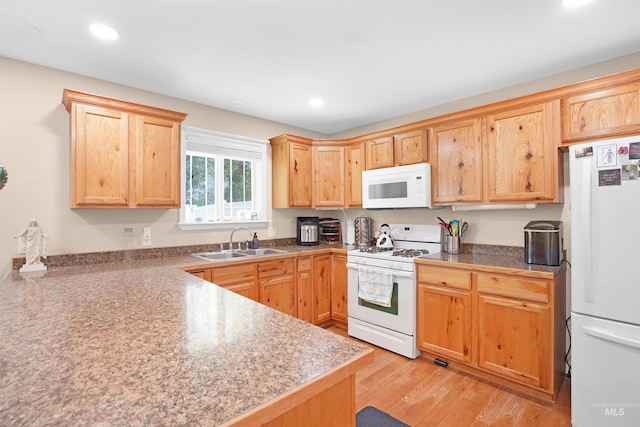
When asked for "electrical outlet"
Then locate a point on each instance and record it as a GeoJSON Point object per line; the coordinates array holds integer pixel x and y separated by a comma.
{"type": "Point", "coordinates": [146, 236]}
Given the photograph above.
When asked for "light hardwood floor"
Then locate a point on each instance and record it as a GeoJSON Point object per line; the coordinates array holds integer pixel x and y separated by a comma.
{"type": "Point", "coordinates": [422, 394]}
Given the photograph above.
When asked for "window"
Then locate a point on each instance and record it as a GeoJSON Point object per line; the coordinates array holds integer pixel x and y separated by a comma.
{"type": "Point", "coordinates": [223, 180]}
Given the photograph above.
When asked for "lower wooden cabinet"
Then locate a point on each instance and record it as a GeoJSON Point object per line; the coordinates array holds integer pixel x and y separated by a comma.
{"type": "Point", "coordinates": [509, 326]}
{"type": "Point", "coordinates": [444, 317]}
{"type": "Point", "coordinates": [277, 284]}
{"type": "Point", "coordinates": [339, 288]}
{"type": "Point", "coordinates": [321, 289]}
{"type": "Point", "coordinates": [514, 340]}
{"type": "Point", "coordinates": [304, 284]}
{"type": "Point", "coordinates": [241, 279]}
{"type": "Point", "coordinates": [444, 312]}
{"type": "Point", "coordinates": [310, 287]}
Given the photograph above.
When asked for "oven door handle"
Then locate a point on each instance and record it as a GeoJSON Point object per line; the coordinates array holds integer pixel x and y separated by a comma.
{"type": "Point", "coordinates": [396, 273]}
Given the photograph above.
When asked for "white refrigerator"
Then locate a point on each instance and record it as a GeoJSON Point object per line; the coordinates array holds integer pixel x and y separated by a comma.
{"type": "Point", "coordinates": [605, 283]}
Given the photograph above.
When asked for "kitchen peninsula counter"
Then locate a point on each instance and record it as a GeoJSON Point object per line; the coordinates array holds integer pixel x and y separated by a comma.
{"type": "Point", "coordinates": [144, 343]}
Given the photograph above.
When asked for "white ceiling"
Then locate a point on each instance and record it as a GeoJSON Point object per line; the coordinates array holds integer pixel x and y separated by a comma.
{"type": "Point", "coordinates": [369, 60]}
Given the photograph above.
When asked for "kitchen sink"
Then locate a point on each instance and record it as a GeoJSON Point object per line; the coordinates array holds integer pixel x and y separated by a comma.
{"type": "Point", "coordinates": [262, 251]}
{"type": "Point", "coordinates": [223, 255]}
{"type": "Point", "coordinates": [213, 256]}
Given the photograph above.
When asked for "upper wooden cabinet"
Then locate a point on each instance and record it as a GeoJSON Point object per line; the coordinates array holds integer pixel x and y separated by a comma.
{"type": "Point", "coordinates": [291, 172]}
{"type": "Point", "coordinates": [122, 154]}
{"type": "Point", "coordinates": [356, 163]}
{"type": "Point", "coordinates": [404, 148]}
{"type": "Point", "coordinates": [457, 176]}
{"type": "Point", "coordinates": [606, 112]}
{"type": "Point", "coordinates": [505, 152]}
{"type": "Point", "coordinates": [380, 153]}
{"type": "Point", "coordinates": [410, 147]}
{"type": "Point", "coordinates": [522, 157]}
{"type": "Point", "coordinates": [329, 168]}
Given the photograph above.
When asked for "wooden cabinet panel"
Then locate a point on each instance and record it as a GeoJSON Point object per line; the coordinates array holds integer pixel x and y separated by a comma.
{"type": "Point", "coordinates": [99, 157]}
{"type": "Point", "coordinates": [304, 285]}
{"type": "Point", "coordinates": [321, 289]}
{"type": "Point", "coordinates": [514, 340]}
{"type": "Point", "coordinates": [356, 163]}
{"type": "Point", "coordinates": [198, 273]}
{"type": "Point", "coordinates": [291, 171]}
{"type": "Point", "coordinates": [508, 325]}
{"type": "Point", "coordinates": [601, 113]}
{"type": "Point", "coordinates": [442, 276]}
{"type": "Point", "coordinates": [515, 287]}
{"type": "Point", "coordinates": [277, 267]}
{"type": "Point", "coordinates": [339, 307]}
{"type": "Point", "coordinates": [405, 148]}
{"type": "Point", "coordinates": [157, 162]}
{"type": "Point", "coordinates": [300, 190]}
{"type": "Point", "coordinates": [279, 293]}
{"type": "Point", "coordinates": [329, 169]}
{"type": "Point", "coordinates": [522, 159]}
{"type": "Point", "coordinates": [241, 279]}
{"type": "Point", "coordinates": [122, 154]}
{"type": "Point", "coordinates": [278, 285]}
{"type": "Point", "coordinates": [380, 153]}
{"type": "Point", "coordinates": [444, 322]}
{"type": "Point", "coordinates": [456, 150]}
{"type": "Point", "coordinates": [410, 147]}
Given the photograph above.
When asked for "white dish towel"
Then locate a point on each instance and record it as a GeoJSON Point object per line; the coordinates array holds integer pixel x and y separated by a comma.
{"type": "Point", "coordinates": [375, 286]}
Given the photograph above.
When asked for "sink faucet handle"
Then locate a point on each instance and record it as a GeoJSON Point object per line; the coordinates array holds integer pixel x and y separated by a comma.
{"type": "Point", "coordinates": [221, 246]}
{"type": "Point", "coordinates": [246, 244]}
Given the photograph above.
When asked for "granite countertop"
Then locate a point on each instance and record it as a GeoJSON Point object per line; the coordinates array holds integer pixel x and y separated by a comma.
{"type": "Point", "coordinates": [144, 343]}
{"type": "Point", "coordinates": [504, 259]}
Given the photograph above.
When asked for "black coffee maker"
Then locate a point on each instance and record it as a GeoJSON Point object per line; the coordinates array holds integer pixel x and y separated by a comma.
{"type": "Point", "coordinates": [307, 231]}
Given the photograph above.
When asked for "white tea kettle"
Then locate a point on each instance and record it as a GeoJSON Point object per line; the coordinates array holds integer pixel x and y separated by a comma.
{"type": "Point", "coordinates": [384, 240]}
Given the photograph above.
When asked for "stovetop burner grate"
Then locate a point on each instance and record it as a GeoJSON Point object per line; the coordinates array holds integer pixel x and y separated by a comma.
{"type": "Point", "coordinates": [410, 253]}
{"type": "Point", "coordinates": [400, 252]}
{"type": "Point", "coordinates": [375, 250]}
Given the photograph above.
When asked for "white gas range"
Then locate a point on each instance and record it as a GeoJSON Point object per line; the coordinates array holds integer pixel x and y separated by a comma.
{"type": "Point", "coordinates": [382, 288]}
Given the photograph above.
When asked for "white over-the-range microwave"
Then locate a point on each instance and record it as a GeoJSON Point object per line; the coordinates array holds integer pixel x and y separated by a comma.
{"type": "Point", "coordinates": [397, 187]}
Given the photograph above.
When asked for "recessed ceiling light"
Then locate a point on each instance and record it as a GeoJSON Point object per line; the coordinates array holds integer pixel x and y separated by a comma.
{"type": "Point", "coordinates": [238, 101]}
{"type": "Point", "coordinates": [574, 3]}
{"type": "Point", "coordinates": [316, 102]}
{"type": "Point", "coordinates": [104, 32]}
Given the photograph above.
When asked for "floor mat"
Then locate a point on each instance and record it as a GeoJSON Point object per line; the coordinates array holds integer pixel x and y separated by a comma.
{"type": "Point", "coordinates": [373, 417]}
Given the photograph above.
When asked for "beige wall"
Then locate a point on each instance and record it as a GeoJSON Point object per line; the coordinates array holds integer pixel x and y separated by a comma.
{"type": "Point", "coordinates": [34, 147]}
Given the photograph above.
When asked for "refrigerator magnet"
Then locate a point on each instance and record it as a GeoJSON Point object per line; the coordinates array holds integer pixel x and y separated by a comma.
{"type": "Point", "coordinates": [629, 172]}
{"type": "Point", "coordinates": [634, 151]}
{"type": "Point", "coordinates": [607, 156]}
{"type": "Point", "coordinates": [609, 177]}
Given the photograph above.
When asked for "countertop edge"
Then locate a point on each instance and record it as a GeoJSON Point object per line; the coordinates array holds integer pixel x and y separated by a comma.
{"type": "Point", "coordinates": [486, 268]}
{"type": "Point", "coordinates": [287, 401]}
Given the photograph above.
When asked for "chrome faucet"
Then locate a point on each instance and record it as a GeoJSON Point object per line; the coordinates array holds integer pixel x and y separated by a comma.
{"type": "Point", "coordinates": [236, 229]}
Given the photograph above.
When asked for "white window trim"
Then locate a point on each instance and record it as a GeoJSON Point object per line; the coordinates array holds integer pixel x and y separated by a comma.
{"type": "Point", "coordinates": [254, 148]}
